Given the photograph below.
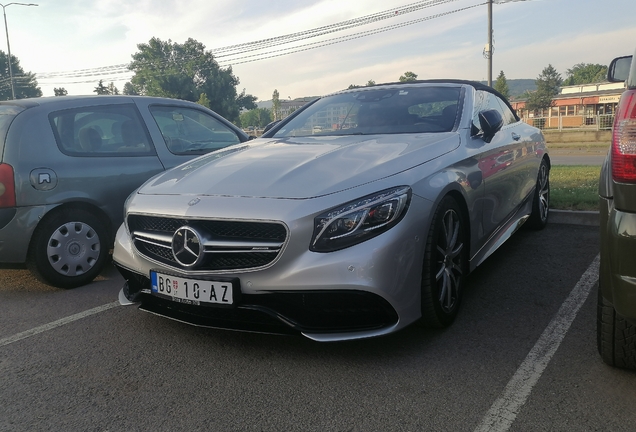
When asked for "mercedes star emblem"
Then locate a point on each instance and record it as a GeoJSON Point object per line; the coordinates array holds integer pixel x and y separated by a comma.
{"type": "Point", "coordinates": [186, 246]}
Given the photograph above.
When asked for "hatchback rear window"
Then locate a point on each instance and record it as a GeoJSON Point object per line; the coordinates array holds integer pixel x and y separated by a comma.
{"type": "Point", "coordinates": [7, 114]}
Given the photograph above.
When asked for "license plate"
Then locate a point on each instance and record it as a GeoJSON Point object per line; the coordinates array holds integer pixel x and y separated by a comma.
{"type": "Point", "coordinates": [192, 291]}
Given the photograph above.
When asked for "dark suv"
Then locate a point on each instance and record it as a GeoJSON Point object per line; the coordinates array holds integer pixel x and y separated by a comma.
{"type": "Point", "coordinates": [616, 323]}
{"type": "Point", "coordinates": [68, 164]}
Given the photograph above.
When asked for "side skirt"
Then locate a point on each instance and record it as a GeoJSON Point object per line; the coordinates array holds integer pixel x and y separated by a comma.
{"type": "Point", "coordinates": [503, 233]}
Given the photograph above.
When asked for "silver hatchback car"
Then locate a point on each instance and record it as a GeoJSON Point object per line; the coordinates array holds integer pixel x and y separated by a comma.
{"type": "Point", "coordinates": [358, 215]}
{"type": "Point", "coordinates": [68, 164]}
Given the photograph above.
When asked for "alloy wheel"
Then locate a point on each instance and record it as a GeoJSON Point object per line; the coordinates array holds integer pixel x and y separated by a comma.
{"type": "Point", "coordinates": [449, 260]}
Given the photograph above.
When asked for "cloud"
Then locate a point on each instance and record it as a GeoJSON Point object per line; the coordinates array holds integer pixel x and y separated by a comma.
{"type": "Point", "coordinates": [81, 34]}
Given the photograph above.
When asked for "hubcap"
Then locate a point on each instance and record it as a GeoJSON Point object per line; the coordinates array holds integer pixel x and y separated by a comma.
{"type": "Point", "coordinates": [449, 261]}
{"type": "Point", "coordinates": [73, 248]}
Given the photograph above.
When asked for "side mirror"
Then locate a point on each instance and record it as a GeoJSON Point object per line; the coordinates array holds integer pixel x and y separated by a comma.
{"type": "Point", "coordinates": [618, 70]}
{"type": "Point", "coordinates": [270, 125]}
{"type": "Point", "coordinates": [491, 122]}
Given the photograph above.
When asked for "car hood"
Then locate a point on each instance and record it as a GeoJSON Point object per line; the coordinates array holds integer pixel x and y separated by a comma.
{"type": "Point", "coordinates": [301, 167]}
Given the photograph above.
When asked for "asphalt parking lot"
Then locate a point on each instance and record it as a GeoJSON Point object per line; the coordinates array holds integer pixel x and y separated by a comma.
{"type": "Point", "coordinates": [521, 357]}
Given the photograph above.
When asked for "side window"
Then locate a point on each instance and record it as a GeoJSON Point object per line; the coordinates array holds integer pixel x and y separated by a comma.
{"type": "Point", "coordinates": [484, 101]}
{"type": "Point", "coordinates": [190, 131]}
{"type": "Point", "coordinates": [508, 115]}
{"type": "Point", "coordinates": [107, 130]}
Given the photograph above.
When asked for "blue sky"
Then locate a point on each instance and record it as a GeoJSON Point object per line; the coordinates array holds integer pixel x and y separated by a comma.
{"type": "Point", "coordinates": [68, 43]}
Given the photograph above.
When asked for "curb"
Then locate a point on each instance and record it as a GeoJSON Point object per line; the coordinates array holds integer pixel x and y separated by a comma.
{"type": "Point", "coordinates": [589, 218]}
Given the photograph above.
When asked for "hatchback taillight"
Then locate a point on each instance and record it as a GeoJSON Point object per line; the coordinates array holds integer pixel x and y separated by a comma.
{"type": "Point", "coordinates": [624, 140]}
{"type": "Point", "coordinates": [7, 186]}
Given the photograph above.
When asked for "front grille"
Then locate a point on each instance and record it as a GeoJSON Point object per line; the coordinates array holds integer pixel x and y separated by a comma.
{"type": "Point", "coordinates": [160, 253]}
{"type": "Point", "coordinates": [228, 245]}
{"type": "Point", "coordinates": [226, 229]}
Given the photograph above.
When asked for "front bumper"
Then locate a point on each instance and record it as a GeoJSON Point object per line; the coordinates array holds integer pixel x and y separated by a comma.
{"type": "Point", "coordinates": [289, 312]}
{"type": "Point", "coordinates": [369, 289]}
{"type": "Point", "coordinates": [617, 275]}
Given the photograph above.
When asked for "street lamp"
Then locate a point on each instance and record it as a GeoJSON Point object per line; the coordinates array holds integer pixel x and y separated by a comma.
{"type": "Point", "coordinates": [6, 28]}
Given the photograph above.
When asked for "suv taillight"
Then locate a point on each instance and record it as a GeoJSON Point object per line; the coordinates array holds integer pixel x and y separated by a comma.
{"type": "Point", "coordinates": [7, 186]}
{"type": "Point", "coordinates": [624, 140]}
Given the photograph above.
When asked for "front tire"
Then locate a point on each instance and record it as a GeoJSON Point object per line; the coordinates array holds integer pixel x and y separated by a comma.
{"type": "Point", "coordinates": [445, 264]}
{"type": "Point", "coordinates": [69, 248]}
{"type": "Point", "coordinates": [615, 336]}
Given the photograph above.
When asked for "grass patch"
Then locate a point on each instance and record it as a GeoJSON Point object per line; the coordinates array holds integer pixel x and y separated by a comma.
{"type": "Point", "coordinates": [574, 187]}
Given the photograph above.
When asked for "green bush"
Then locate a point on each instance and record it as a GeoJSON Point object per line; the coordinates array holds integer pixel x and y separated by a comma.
{"type": "Point", "coordinates": [574, 187]}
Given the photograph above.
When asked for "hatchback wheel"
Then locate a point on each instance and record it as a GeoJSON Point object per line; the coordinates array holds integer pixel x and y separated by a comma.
{"type": "Point", "coordinates": [541, 200]}
{"type": "Point", "coordinates": [444, 265]}
{"type": "Point", "coordinates": [615, 336]}
{"type": "Point", "coordinates": [68, 249]}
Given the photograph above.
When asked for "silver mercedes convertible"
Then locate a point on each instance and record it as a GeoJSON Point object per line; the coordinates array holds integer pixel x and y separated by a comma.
{"type": "Point", "coordinates": [356, 216]}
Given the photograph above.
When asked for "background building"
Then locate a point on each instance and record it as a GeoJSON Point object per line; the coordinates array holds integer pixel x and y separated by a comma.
{"type": "Point", "coordinates": [588, 106]}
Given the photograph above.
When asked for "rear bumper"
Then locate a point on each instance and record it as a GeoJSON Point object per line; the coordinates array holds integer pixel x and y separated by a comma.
{"type": "Point", "coordinates": [617, 275]}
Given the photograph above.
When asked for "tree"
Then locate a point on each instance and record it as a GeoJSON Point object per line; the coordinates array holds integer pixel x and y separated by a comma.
{"type": "Point", "coordinates": [501, 85]}
{"type": "Point", "coordinates": [408, 76]}
{"type": "Point", "coordinates": [585, 73]}
{"type": "Point", "coordinates": [184, 71]}
{"type": "Point", "coordinates": [24, 83]}
{"type": "Point", "coordinates": [129, 89]}
{"type": "Point", "coordinates": [203, 100]}
{"type": "Point", "coordinates": [368, 84]}
{"type": "Point", "coordinates": [60, 91]}
{"type": "Point", "coordinates": [258, 118]}
{"type": "Point", "coordinates": [276, 104]}
{"type": "Point", "coordinates": [548, 84]}
{"type": "Point", "coordinates": [101, 89]}
{"type": "Point", "coordinates": [112, 89]}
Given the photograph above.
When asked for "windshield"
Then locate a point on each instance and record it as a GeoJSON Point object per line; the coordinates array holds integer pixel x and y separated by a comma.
{"type": "Point", "coordinates": [378, 111]}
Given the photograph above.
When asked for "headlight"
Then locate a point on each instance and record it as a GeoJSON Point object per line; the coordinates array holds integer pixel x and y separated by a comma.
{"type": "Point", "coordinates": [127, 204]}
{"type": "Point", "coordinates": [359, 220]}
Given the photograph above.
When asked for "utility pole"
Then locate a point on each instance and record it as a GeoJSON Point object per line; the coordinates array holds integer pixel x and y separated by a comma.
{"type": "Point", "coordinates": [488, 52]}
{"type": "Point", "coordinates": [6, 29]}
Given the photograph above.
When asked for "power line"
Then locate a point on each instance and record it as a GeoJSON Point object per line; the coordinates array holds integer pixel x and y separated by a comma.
{"type": "Point", "coordinates": [264, 43]}
{"type": "Point", "coordinates": [314, 45]}
{"type": "Point", "coordinates": [320, 31]}
{"type": "Point", "coordinates": [117, 72]}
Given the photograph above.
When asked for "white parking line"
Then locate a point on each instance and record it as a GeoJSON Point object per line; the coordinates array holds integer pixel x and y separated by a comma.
{"type": "Point", "coordinates": [55, 324]}
{"type": "Point", "coordinates": [504, 411]}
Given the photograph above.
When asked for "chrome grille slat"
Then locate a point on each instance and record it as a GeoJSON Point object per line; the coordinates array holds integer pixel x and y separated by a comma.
{"type": "Point", "coordinates": [157, 238]}
{"type": "Point", "coordinates": [232, 245]}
